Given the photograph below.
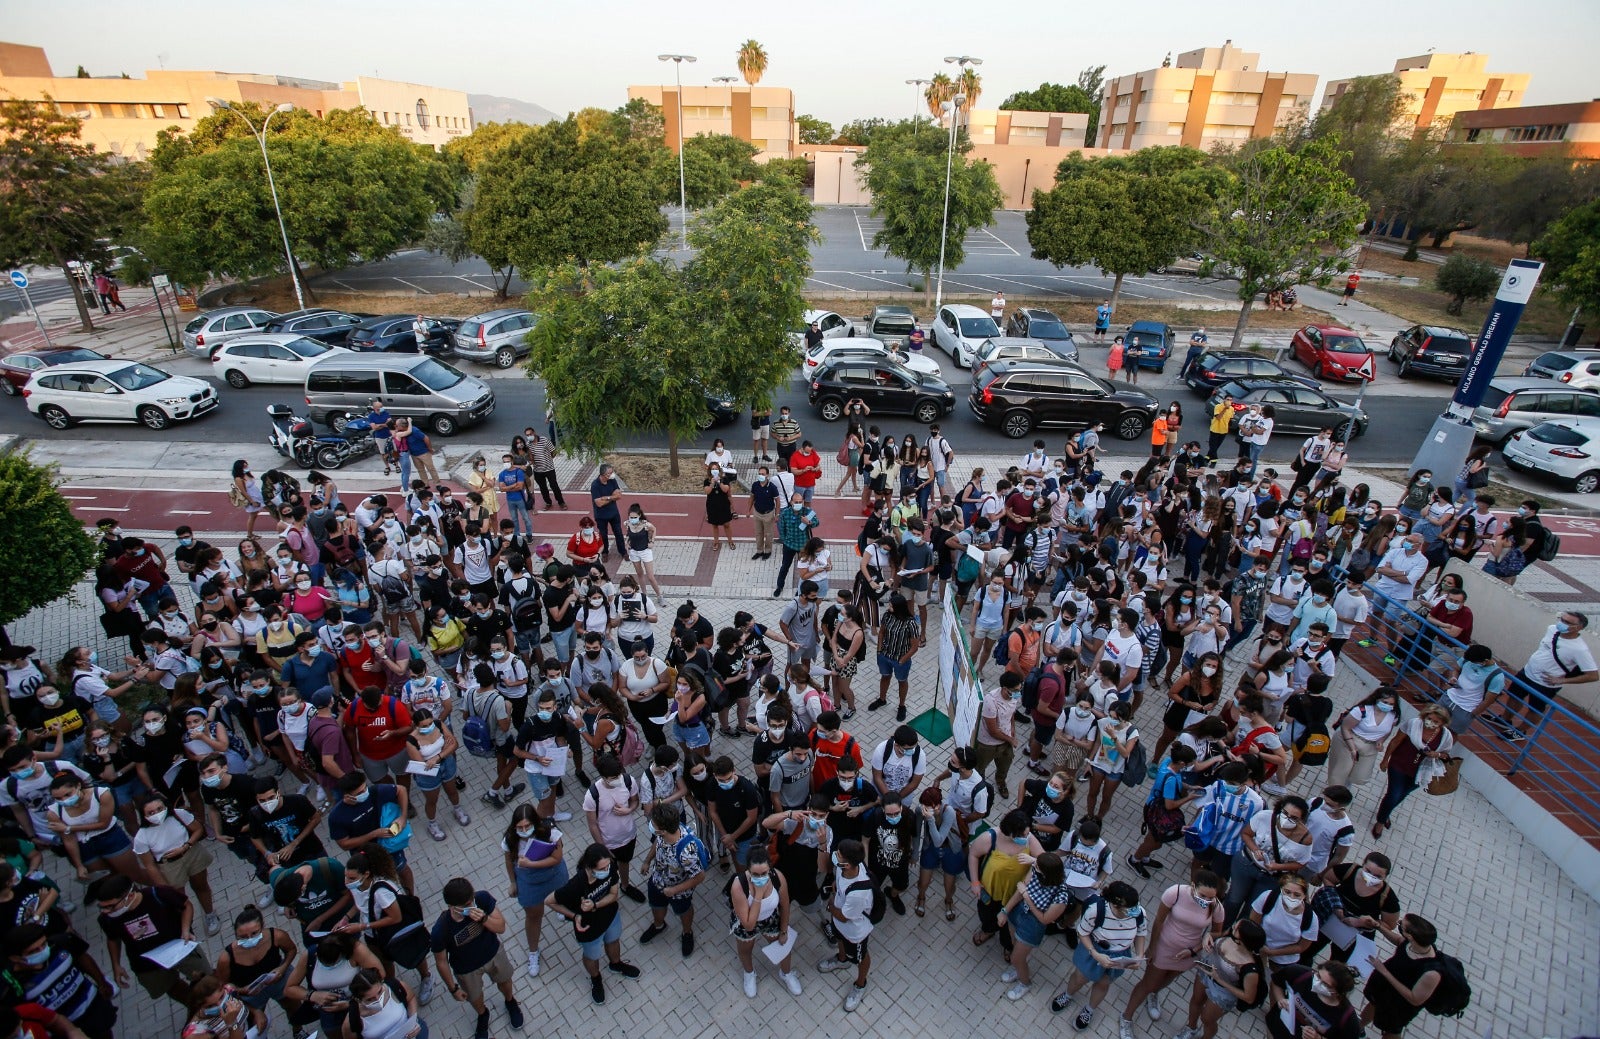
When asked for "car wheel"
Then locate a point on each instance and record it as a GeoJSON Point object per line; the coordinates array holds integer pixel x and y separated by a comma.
{"type": "Point", "coordinates": [1405, 369]}
{"type": "Point", "coordinates": [1161, 369]}
{"type": "Point", "coordinates": [54, 417]}
{"type": "Point", "coordinates": [505, 357]}
{"type": "Point", "coordinates": [707, 420]}
{"type": "Point", "coordinates": [1588, 483]}
{"type": "Point", "coordinates": [1350, 430]}
{"type": "Point", "coordinates": [444, 425]}
{"type": "Point", "coordinates": [237, 379]}
{"type": "Point", "coordinates": [329, 458]}
{"type": "Point", "coordinates": [831, 409]}
{"type": "Point", "coordinates": [927, 412]}
{"type": "Point", "coordinates": [337, 420]}
{"type": "Point", "coordinates": [8, 387]}
{"type": "Point", "coordinates": [153, 417]}
{"type": "Point", "coordinates": [1016, 424]}
{"type": "Point", "coordinates": [1131, 426]}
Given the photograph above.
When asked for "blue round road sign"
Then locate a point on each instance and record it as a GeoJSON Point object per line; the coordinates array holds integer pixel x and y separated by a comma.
{"type": "Point", "coordinates": [19, 279]}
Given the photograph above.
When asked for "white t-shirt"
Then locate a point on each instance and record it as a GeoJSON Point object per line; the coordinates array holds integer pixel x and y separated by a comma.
{"type": "Point", "coordinates": [1288, 587]}
{"type": "Point", "coordinates": [1124, 650]}
{"type": "Point", "coordinates": [1284, 925]}
{"type": "Point", "coordinates": [853, 904]}
{"type": "Point", "coordinates": [160, 841]}
{"type": "Point", "coordinates": [474, 563]}
{"type": "Point", "coordinates": [1545, 667]}
{"type": "Point", "coordinates": [898, 769]}
{"type": "Point", "coordinates": [33, 794]}
{"type": "Point", "coordinates": [1327, 833]}
{"type": "Point", "coordinates": [1349, 610]}
{"type": "Point", "coordinates": [1287, 850]}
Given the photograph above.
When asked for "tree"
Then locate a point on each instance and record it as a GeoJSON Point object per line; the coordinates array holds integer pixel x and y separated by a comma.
{"type": "Point", "coordinates": [1125, 215]}
{"type": "Point", "coordinates": [645, 121]}
{"type": "Point", "coordinates": [714, 165]}
{"type": "Point", "coordinates": [83, 73]}
{"type": "Point", "coordinates": [971, 85]}
{"type": "Point", "coordinates": [1364, 120]}
{"type": "Point", "coordinates": [1091, 80]}
{"type": "Point", "coordinates": [752, 61]}
{"type": "Point", "coordinates": [58, 196]}
{"type": "Point", "coordinates": [941, 88]}
{"type": "Point", "coordinates": [635, 348]}
{"type": "Point", "coordinates": [1281, 220]}
{"type": "Point", "coordinates": [1570, 250]}
{"type": "Point", "coordinates": [46, 550]}
{"type": "Point", "coordinates": [813, 130]}
{"type": "Point", "coordinates": [859, 131]}
{"type": "Point", "coordinates": [1053, 97]}
{"type": "Point", "coordinates": [553, 195]}
{"type": "Point", "coordinates": [1538, 193]}
{"type": "Point", "coordinates": [484, 140]}
{"type": "Point", "coordinates": [905, 171]}
{"type": "Point", "coordinates": [350, 189]}
{"type": "Point", "coordinates": [1466, 278]}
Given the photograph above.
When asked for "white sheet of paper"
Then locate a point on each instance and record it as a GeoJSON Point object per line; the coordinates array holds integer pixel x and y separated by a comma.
{"type": "Point", "coordinates": [558, 762]}
{"type": "Point", "coordinates": [975, 554]}
{"type": "Point", "coordinates": [1286, 1016]}
{"type": "Point", "coordinates": [665, 719]}
{"type": "Point", "coordinates": [1365, 947]}
{"type": "Point", "coordinates": [417, 768]}
{"type": "Point", "coordinates": [167, 956]}
{"type": "Point", "coordinates": [776, 951]}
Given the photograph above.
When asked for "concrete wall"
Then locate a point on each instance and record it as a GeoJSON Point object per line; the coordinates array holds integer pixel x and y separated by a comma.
{"type": "Point", "coordinates": [1018, 169]}
{"type": "Point", "coordinates": [837, 182]}
{"type": "Point", "coordinates": [764, 116]}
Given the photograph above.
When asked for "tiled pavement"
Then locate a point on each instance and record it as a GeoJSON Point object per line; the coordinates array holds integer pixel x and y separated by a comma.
{"type": "Point", "coordinates": [1529, 938]}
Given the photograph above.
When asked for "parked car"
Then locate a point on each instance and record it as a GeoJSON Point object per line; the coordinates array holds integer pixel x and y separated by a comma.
{"type": "Point", "coordinates": [1215, 367]}
{"type": "Point", "coordinates": [431, 392]}
{"type": "Point", "coordinates": [1515, 403]}
{"type": "Point", "coordinates": [210, 330]}
{"type": "Point", "coordinates": [496, 336]}
{"type": "Point", "coordinates": [1566, 450]}
{"type": "Point", "coordinates": [857, 349]}
{"type": "Point", "coordinates": [1155, 343]}
{"type": "Point", "coordinates": [1037, 323]}
{"type": "Point", "coordinates": [890, 325]}
{"type": "Point", "coordinates": [116, 391]}
{"type": "Point", "coordinates": [270, 357]}
{"type": "Point", "coordinates": [16, 369]}
{"type": "Point", "coordinates": [885, 386]}
{"type": "Point", "coordinates": [1017, 397]}
{"type": "Point", "coordinates": [1334, 352]}
{"type": "Point", "coordinates": [1431, 350]}
{"type": "Point", "coordinates": [720, 410]}
{"type": "Point", "coordinates": [960, 328]}
{"type": "Point", "coordinates": [319, 323]}
{"type": "Point", "coordinates": [1011, 348]}
{"type": "Point", "coordinates": [1297, 408]}
{"type": "Point", "coordinates": [1579, 369]}
{"type": "Point", "coordinates": [393, 333]}
{"type": "Point", "coordinates": [831, 325]}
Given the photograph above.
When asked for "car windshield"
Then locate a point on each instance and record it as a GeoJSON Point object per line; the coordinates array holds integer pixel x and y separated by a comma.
{"type": "Point", "coordinates": [978, 327]}
{"type": "Point", "coordinates": [137, 376]}
{"type": "Point", "coordinates": [308, 348]}
{"type": "Point", "coordinates": [1561, 436]}
{"type": "Point", "coordinates": [71, 356]}
{"type": "Point", "coordinates": [1046, 329]}
{"type": "Point", "coordinates": [1448, 344]}
{"type": "Point", "coordinates": [1234, 390]}
{"type": "Point", "coordinates": [436, 375]}
{"type": "Point", "coordinates": [1556, 362]}
{"type": "Point", "coordinates": [1493, 397]}
{"type": "Point", "coordinates": [1346, 345]}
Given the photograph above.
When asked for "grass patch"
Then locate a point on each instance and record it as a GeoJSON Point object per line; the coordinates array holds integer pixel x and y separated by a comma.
{"type": "Point", "coordinates": [1423, 304]}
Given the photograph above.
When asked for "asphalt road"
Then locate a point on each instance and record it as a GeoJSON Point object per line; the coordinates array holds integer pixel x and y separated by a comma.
{"type": "Point", "coordinates": [843, 262]}
{"type": "Point", "coordinates": [1402, 424]}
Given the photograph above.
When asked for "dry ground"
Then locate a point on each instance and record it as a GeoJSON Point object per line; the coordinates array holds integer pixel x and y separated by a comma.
{"type": "Point", "coordinates": [652, 473]}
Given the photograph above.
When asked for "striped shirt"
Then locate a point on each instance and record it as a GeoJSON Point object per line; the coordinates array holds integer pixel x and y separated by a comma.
{"type": "Point", "coordinates": [1114, 934]}
{"type": "Point", "coordinates": [897, 636]}
{"type": "Point", "coordinates": [58, 986]}
{"type": "Point", "coordinates": [542, 454]}
{"type": "Point", "coordinates": [786, 431]}
{"type": "Point", "coordinates": [1233, 814]}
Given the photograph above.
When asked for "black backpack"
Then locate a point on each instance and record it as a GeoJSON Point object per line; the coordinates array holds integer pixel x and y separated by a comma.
{"type": "Point", "coordinates": [879, 904]}
{"type": "Point", "coordinates": [1030, 687]}
{"type": "Point", "coordinates": [1550, 546]}
{"type": "Point", "coordinates": [1453, 994]}
{"type": "Point", "coordinates": [526, 608]}
{"type": "Point", "coordinates": [408, 944]}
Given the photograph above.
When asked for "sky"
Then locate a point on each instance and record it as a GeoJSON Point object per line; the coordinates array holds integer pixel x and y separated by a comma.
{"type": "Point", "coordinates": [844, 59]}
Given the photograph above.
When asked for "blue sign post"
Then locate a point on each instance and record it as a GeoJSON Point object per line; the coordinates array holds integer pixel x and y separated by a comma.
{"type": "Point", "coordinates": [20, 280]}
{"type": "Point", "coordinates": [1445, 450]}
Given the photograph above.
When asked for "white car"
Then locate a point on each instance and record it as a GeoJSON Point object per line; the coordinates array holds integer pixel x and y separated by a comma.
{"type": "Point", "coordinates": [205, 333]}
{"type": "Point", "coordinates": [831, 325]}
{"type": "Point", "coordinates": [116, 391]}
{"type": "Point", "coordinates": [270, 357]}
{"type": "Point", "coordinates": [1568, 450]}
{"type": "Point", "coordinates": [960, 329]}
{"type": "Point", "coordinates": [826, 350]}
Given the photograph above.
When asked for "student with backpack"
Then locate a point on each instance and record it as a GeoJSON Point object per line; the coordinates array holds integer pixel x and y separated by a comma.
{"type": "Point", "coordinates": [678, 862]}
{"type": "Point", "coordinates": [1231, 975]}
{"type": "Point", "coordinates": [1286, 916]}
{"type": "Point", "coordinates": [854, 909]}
{"type": "Point", "coordinates": [1321, 1000]}
{"type": "Point", "coordinates": [611, 806]}
{"type": "Point", "coordinates": [759, 898]}
{"type": "Point", "coordinates": [1415, 977]}
{"type": "Point", "coordinates": [387, 916]}
{"type": "Point", "coordinates": [1112, 934]}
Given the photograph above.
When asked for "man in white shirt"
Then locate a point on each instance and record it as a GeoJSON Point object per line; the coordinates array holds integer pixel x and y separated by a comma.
{"type": "Point", "coordinates": [1397, 573]}
{"type": "Point", "coordinates": [1350, 609]}
{"type": "Point", "coordinates": [997, 306]}
{"type": "Point", "coordinates": [1035, 462]}
{"type": "Point", "coordinates": [848, 925]}
{"type": "Point", "coordinates": [940, 455]}
{"type": "Point", "coordinates": [1562, 658]}
{"type": "Point", "coordinates": [898, 764]}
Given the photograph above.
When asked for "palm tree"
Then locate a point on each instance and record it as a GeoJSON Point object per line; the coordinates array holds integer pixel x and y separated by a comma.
{"type": "Point", "coordinates": [972, 86]}
{"type": "Point", "coordinates": [941, 88]}
{"type": "Point", "coordinates": [752, 61]}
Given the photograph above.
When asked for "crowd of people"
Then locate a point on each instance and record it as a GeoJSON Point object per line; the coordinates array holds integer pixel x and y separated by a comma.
{"type": "Point", "coordinates": [287, 700]}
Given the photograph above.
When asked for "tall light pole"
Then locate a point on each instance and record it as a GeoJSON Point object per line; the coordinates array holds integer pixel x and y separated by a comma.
{"type": "Point", "coordinates": [953, 107]}
{"type": "Point", "coordinates": [961, 61]}
{"type": "Point", "coordinates": [683, 191]}
{"type": "Point", "coordinates": [916, 86]}
{"type": "Point", "coordinates": [724, 79]}
{"type": "Point", "coordinates": [261, 139]}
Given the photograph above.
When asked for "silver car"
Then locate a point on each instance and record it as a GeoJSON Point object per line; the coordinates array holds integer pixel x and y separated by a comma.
{"type": "Point", "coordinates": [1517, 403]}
{"type": "Point", "coordinates": [210, 330]}
{"type": "Point", "coordinates": [497, 336]}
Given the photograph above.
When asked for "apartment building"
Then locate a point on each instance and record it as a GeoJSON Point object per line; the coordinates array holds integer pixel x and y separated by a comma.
{"type": "Point", "coordinates": [1209, 96]}
{"type": "Point", "coordinates": [1535, 131]}
{"type": "Point", "coordinates": [124, 116]}
{"type": "Point", "coordinates": [1438, 86]}
{"type": "Point", "coordinates": [764, 116]}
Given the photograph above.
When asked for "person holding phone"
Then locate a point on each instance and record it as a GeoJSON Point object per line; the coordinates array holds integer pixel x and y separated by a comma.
{"type": "Point", "coordinates": [1112, 934]}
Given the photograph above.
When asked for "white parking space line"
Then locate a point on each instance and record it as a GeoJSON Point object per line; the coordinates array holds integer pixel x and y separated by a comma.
{"type": "Point", "coordinates": [861, 232]}
{"type": "Point", "coordinates": [998, 239]}
{"type": "Point", "coordinates": [1168, 288]}
{"type": "Point", "coordinates": [469, 281]}
{"type": "Point", "coordinates": [419, 288]}
{"type": "Point", "coordinates": [969, 285]}
{"type": "Point", "coordinates": [832, 285]}
{"type": "Point", "coordinates": [886, 281]}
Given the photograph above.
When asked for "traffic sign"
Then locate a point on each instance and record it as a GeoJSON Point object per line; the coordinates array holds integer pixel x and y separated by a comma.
{"type": "Point", "coordinates": [19, 279]}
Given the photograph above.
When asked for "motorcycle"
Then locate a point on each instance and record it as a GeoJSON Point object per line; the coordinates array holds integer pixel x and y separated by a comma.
{"type": "Point", "coordinates": [295, 437]}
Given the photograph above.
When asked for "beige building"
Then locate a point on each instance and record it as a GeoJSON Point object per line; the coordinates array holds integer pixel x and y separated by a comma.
{"type": "Point", "coordinates": [989, 126]}
{"type": "Point", "coordinates": [1214, 95]}
{"type": "Point", "coordinates": [764, 116]}
{"type": "Point", "coordinates": [123, 116]}
{"type": "Point", "coordinates": [1438, 86]}
{"type": "Point", "coordinates": [1535, 131]}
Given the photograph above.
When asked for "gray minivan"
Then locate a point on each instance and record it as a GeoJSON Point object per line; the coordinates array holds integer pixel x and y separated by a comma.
{"type": "Point", "coordinates": [431, 392]}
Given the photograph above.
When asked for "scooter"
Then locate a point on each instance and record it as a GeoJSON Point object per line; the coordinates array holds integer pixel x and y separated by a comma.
{"type": "Point", "coordinates": [295, 437]}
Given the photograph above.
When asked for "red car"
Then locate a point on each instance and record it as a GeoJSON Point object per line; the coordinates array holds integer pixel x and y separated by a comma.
{"type": "Point", "coordinates": [16, 368]}
{"type": "Point", "coordinates": [1333, 352]}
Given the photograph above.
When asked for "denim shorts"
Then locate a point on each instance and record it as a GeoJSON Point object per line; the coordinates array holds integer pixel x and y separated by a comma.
{"type": "Point", "coordinates": [592, 950]}
{"type": "Point", "coordinates": [888, 665]}
{"type": "Point", "coordinates": [538, 785]}
{"type": "Point", "coordinates": [1089, 967]}
{"type": "Point", "coordinates": [692, 736]}
{"type": "Point", "coordinates": [952, 861]}
{"type": "Point", "coordinates": [1025, 927]}
{"type": "Point", "coordinates": [104, 845]}
{"type": "Point", "coordinates": [447, 772]}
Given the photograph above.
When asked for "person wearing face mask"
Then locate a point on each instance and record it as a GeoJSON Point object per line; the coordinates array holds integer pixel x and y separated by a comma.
{"type": "Point", "coordinates": [590, 900]}
{"type": "Point", "coordinates": [257, 965]}
{"type": "Point", "coordinates": [283, 826]}
{"type": "Point", "coordinates": [890, 835]}
{"type": "Point", "coordinates": [898, 765]}
{"type": "Point", "coordinates": [430, 751]}
{"type": "Point", "coordinates": [759, 896]}
{"type": "Point", "coordinates": [385, 1007]}
{"type": "Point", "coordinates": [83, 816]}
{"type": "Point", "coordinates": [1360, 735]}
{"type": "Point", "coordinates": [139, 920]}
{"type": "Point", "coordinates": [1048, 805]}
{"type": "Point", "coordinates": [611, 806]}
{"type": "Point", "coordinates": [1321, 1003]}
{"type": "Point", "coordinates": [538, 740]}
{"type": "Point", "coordinates": [1366, 902]}
{"type": "Point", "coordinates": [764, 502]}
{"type": "Point", "coordinates": [47, 983]}
{"type": "Point", "coordinates": [1188, 918]}
{"type": "Point", "coordinates": [1476, 684]}
{"type": "Point", "coordinates": [1423, 741]}
{"type": "Point", "coordinates": [1275, 843]}
{"type": "Point", "coordinates": [25, 790]}
{"type": "Point", "coordinates": [467, 950]}
{"type": "Point", "coordinates": [997, 741]}
{"type": "Point", "coordinates": [1402, 985]}
{"type": "Point", "coordinates": [1285, 915]}
{"type": "Point", "coordinates": [1314, 609]}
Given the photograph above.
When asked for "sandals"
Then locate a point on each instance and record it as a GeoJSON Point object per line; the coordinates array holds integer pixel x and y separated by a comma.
{"type": "Point", "coordinates": [921, 908]}
{"type": "Point", "coordinates": [982, 937]}
{"type": "Point", "coordinates": [949, 909]}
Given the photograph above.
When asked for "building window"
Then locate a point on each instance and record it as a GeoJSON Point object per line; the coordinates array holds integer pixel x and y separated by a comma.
{"type": "Point", "coordinates": [1180, 97]}
{"type": "Point", "coordinates": [777, 144]}
{"type": "Point", "coordinates": [408, 118]}
{"type": "Point", "coordinates": [385, 118]}
{"type": "Point", "coordinates": [1472, 135]}
{"type": "Point", "coordinates": [758, 112]}
{"type": "Point", "coordinates": [158, 111]}
{"type": "Point", "coordinates": [1546, 132]}
{"type": "Point", "coordinates": [422, 113]}
{"type": "Point", "coordinates": [183, 111]}
{"type": "Point", "coordinates": [1174, 129]}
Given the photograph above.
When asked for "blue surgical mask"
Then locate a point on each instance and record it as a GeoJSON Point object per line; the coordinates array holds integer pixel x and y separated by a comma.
{"type": "Point", "coordinates": [423, 730]}
{"type": "Point", "coordinates": [71, 802]}
{"type": "Point", "coordinates": [761, 880]}
{"type": "Point", "coordinates": [211, 781]}
{"type": "Point", "coordinates": [892, 819]}
{"type": "Point", "coordinates": [813, 824]}
{"type": "Point", "coordinates": [1385, 706]}
{"type": "Point", "coordinates": [362, 797]}
{"type": "Point", "coordinates": [545, 716]}
{"type": "Point", "coordinates": [1562, 627]}
{"type": "Point", "coordinates": [27, 773]}
{"type": "Point", "coordinates": [37, 959]}
{"type": "Point", "coordinates": [728, 785]}
{"type": "Point", "coordinates": [601, 874]}
{"type": "Point", "coordinates": [1231, 789]}
{"type": "Point", "coordinates": [251, 942]}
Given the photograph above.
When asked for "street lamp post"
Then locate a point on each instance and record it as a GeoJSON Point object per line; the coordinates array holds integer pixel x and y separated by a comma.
{"type": "Point", "coordinates": [953, 107]}
{"type": "Point", "coordinates": [272, 186]}
{"type": "Point", "coordinates": [683, 191]}
{"type": "Point", "coordinates": [916, 86]}
{"type": "Point", "coordinates": [724, 79]}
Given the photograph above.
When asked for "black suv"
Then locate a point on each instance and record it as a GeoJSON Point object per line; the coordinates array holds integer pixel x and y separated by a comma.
{"type": "Point", "coordinates": [1431, 350]}
{"type": "Point", "coordinates": [1216, 367]}
{"type": "Point", "coordinates": [1017, 396]}
{"type": "Point", "coordinates": [883, 385]}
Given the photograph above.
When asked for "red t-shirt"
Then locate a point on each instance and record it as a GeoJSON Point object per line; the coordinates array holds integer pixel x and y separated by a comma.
{"type": "Point", "coordinates": [827, 755]}
{"type": "Point", "coordinates": [1021, 505]}
{"type": "Point", "coordinates": [806, 466]}
{"type": "Point", "coordinates": [1352, 281]}
{"type": "Point", "coordinates": [391, 714]}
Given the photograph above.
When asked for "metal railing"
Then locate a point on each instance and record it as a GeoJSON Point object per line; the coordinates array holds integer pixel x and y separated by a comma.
{"type": "Point", "coordinates": [1560, 758]}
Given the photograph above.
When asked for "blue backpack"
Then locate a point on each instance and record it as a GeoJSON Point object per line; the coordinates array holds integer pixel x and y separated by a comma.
{"type": "Point", "coordinates": [477, 735]}
{"type": "Point", "coordinates": [1198, 835]}
{"type": "Point", "coordinates": [699, 850]}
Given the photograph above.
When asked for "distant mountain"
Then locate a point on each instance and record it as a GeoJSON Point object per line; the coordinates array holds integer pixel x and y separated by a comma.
{"type": "Point", "coordinates": [486, 108]}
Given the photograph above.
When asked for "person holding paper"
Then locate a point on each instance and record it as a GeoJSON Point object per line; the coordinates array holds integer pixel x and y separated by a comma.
{"type": "Point", "coordinates": [589, 900]}
{"type": "Point", "coordinates": [539, 743]}
{"type": "Point", "coordinates": [257, 964]}
{"type": "Point", "coordinates": [388, 1008]}
{"type": "Point", "coordinates": [155, 925]}
{"type": "Point", "coordinates": [1321, 1002]}
{"type": "Point", "coordinates": [218, 1011]}
{"type": "Point", "coordinates": [760, 898]}
{"type": "Point", "coordinates": [431, 752]}
{"type": "Point", "coordinates": [1112, 933]}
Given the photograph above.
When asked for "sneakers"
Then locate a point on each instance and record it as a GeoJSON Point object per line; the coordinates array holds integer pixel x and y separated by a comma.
{"type": "Point", "coordinates": [650, 933]}
{"type": "Point", "coordinates": [624, 968]}
{"type": "Point", "coordinates": [1137, 865]}
{"type": "Point", "coordinates": [792, 981]}
{"type": "Point", "coordinates": [257, 759]}
{"type": "Point", "coordinates": [632, 893]}
{"type": "Point", "coordinates": [435, 830]}
{"type": "Point", "coordinates": [1188, 1033]}
{"type": "Point", "coordinates": [213, 925]}
{"type": "Point", "coordinates": [482, 1031]}
{"type": "Point", "coordinates": [876, 704]}
{"type": "Point", "coordinates": [425, 990]}
{"type": "Point", "coordinates": [832, 963]}
{"type": "Point", "coordinates": [847, 713]}
{"type": "Point", "coordinates": [1124, 1029]}
{"type": "Point", "coordinates": [1152, 1006]}
{"type": "Point", "coordinates": [1084, 1019]}
{"type": "Point", "coordinates": [264, 900]}
{"type": "Point", "coordinates": [597, 990]}
{"type": "Point", "coordinates": [514, 1012]}
{"type": "Point", "coordinates": [852, 999]}
{"type": "Point", "coordinates": [1061, 1002]}
{"type": "Point", "coordinates": [1008, 975]}
{"type": "Point", "coordinates": [533, 964]}
{"type": "Point", "coordinates": [461, 816]}
{"type": "Point", "coordinates": [900, 713]}
{"type": "Point", "coordinates": [686, 944]}
{"type": "Point", "coordinates": [750, 984]}
{"type": "Point", "coordinates": [897, 904]}
{"type": "Point", "coordinates": [516, 788]}
{"type": "Point", "coordinates": [493, 800]}
{"type": "Point", "coordinates": [1275, 789]}
{"type": "Point", "coordinates": [1017, 991]}
{"type": "Point", "coordinates": [559, 817]}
